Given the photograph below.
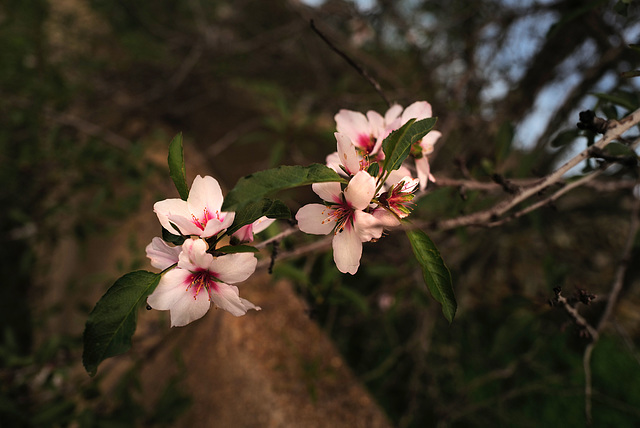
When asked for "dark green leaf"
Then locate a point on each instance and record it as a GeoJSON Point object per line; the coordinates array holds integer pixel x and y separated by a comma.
{"type": "Point", "coordinates": [435, 272]}
{"type": "Point", "coordinates": [374, 169]}
{"type": "Point", "coordinates": [176, 166]}
{"type": "Point", "coordinates": [230, 249]}
{"type": "Point", "coordinates": [565, 137]}
{"type": "Point", "coordinates": [397, 145]}
{"type": "Point", "coordinates": [171, 238]}
{"type": "Point", "coordinates": [253, 211]}
{"type": "Point", "coordinates": [259, 185]}
{"type": "Point", "coordinates": [621, 98]}
{"type": "Point", "coordinates": [112, 322]}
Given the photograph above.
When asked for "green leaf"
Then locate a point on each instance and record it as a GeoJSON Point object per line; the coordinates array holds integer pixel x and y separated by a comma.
{"type": "Point", "coordinates": [176, 166]}
{"type": "Point", "coordinates": [171, 238]}
{"type": "Point", "coordinates": [112, 322]}
{"type": "Point", "coordinates": [253, 211]}
{"type": "Point", "coordinates": [435, 272]}
{"type": "Point", "coordinates": [397, 145]}
{"type": "Point", "coordinates": [257, 186]}
{"type": "Point", "coordinates": [630, 74]}
{"type": "Point", "coordinates": [565, 137]}
{"type": "Point", "coordinates": [621, 98]}
{"type": "Point", "coordinates": [230, 249]}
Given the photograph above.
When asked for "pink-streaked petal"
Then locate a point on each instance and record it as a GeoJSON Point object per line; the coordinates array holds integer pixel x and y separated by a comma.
{"type": "Point", "coordinates": [315, 219]}
{"type": "Point", "coordinates": [360, 190]}
{"type": "Point", "coordinates": [392, 114]}
{"type": "Point", "coordinates": [418, 110]}
{"type": "Point", "coordinates": [172, 286]}
{"type": "Point", "coordinates": [227, 297]}
{"type": "Point", "coordinates": [367, 226]}
{"type": "Point", "coordinates": [352, 124]}
{"type": "Point", "coordinates": [162, 255]}
{"type": "Point", "coordinates": [206, 194]}
{"type": "Point", "coordinates": [189, 308]}
{"type": "Point", "coordinates": [171, 207]}
{"type": "Point", "coordinates": [244, 234]}
{"type": "Point", "coordinates": [424, 171]}
{"type": "Point", "coordinates": [214, 226]}
{"type": "Point", "coordinates": [186, 225]}
{"type": "Point", "coordinates": [428, 141]}
{"type": "Point", "coordinates": [347, 154]}
{"type": "Point", "coordinates": [330, 192]}
{"type": "Point", "coordinates": [233, 268]}
{"type": "Point", "coordinates": [347, 250]}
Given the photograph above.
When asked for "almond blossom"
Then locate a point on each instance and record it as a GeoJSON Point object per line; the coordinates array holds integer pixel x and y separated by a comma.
{"type": "Point", "coordinates": [367, 132]}
{"type": "Point", "coordinates": [199, 278]}
{"type": "Point", "coordinates": [343, 214]}
{"type": "Point", "coordinates": [245, 233]}
{"type": "Point", "coordinates": [162, 255]}
{"type": "Point", "coordinates": [199, 215]}
{"type": "Point", "coordinates": [396, 203]}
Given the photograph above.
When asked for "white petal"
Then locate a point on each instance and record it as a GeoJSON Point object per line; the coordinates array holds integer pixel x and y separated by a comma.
{"type": "Point", "coordinates": [428, 141]}
{"type": "Point", "coordinates": [188, 309]}
{"type": "Point", "coordinates": [367, 226]}
{"type": "Point", "coordinates": [248, 305]}
{"type": "Point", "coordinates": [205, 193]}
{"type": "Point", "coordinates": [392, 114]}
{"type": "Point", "coordinates": [194, 255]}
{"type": "Point", "coordinates": [386, 218]}
{"type": "Point", "coordinates": [262, 223]}
{"type": "Point", "coordinates": [397, 175]}
{"type": "Point", "coordinates": [423, 169]}
{"type": "Point", "coordinates": [186, 225]}
{"type": "Point", "coordinates": [227, 297]}
{"type": "Point", "coordinates": [360, 190]}
{"type": "Point", "coordinates": [170, 289]}
{"type": "Point", "coordinates": [162, 255]}
{"type": "Point", "coordinates": [333, 162]}
{"type": "Point", "coordinates": [347, 250]}
{"type": "Point", "coordinates": [315, 219]}
{"type": "Point", "coordinates": [347, 154]}
{"type": "Point", "coordinates": [169, 207]}
{"type": "Point", "coordinates": [376, 122]}
{"type": "Point", "coordinates": [232, 268]}
{"type": "Point", "coordinates": [418, 110]}
{"type": "Point", "coordinates": [330, 192]}
{"type": "Point", "coordinates": [353, 124]}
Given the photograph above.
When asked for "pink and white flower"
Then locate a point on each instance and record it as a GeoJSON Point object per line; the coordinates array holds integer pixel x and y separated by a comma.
{"type": "Point", "coordinates": [245, 233]}
{"type": "Point", "coordinates": [367, 132]}
{"type": "Point", "coordinates": [162, 255]}
{"type": "Point", "coordinates": [396, 203]}
{"type": "Point", "coordinates": [344, 215]}
{"type": "Point", "coordinates": [200, 214]}
{"type": "Point", "coordinates": [346, 160]}
{"type": "Point", "coordinates": [199, 278]}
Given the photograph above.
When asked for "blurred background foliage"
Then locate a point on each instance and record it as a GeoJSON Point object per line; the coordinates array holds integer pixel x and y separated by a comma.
{"type": "Point", "coordinates": [88, 86]}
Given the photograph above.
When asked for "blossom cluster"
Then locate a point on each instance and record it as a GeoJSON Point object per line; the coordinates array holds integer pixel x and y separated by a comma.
{"type": "Point", "coordinates": [196, 276]}
{"type": "Point", "coordinates": [373, 198]}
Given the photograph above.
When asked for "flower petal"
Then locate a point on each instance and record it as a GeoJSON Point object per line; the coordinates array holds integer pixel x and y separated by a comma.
{"type": "Point", "coordinates": [392, 114]}
{"type": "Point", "coordinates": [206, 194]}
{"type": "Point", "coordinates": [360, 190]}
{"type": "Point", "coordinates": [428, 141]}
{"type": "Point", "coordinates": [315, 219]}
{"type": "Point", "coordinates": [171, 207]}
{"type": "Point", "coordinates": [418, 110]}
{"type": "Point", "coordinates": [353, 124]}
{"type": "Point", "coordinates": [189, 308]}
{"type": "Point", "coordinates": [347, 154]}
{"type": "Point", "coordinates": [424, 171]}
{"type": "Point", "coordinates": [214, 226]}
{"type": "Point", "coordinates": [330, 192]}
{"type": "Point", "coordinates": [227, 297]}
{"type": "Point", "coordinates": [347, 250]}
{"type": "Point", "coordinates": [162, 255]}
{"type": "Point", "coordinates": [232, 268]}
{"type": "Point", "coordinates": [170, 289]}
{"type": "Point", "coordinates": [367, 226]}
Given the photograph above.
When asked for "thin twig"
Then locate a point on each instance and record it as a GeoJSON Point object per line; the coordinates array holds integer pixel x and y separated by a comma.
{"type": "Point", "coordinates": [373, 82]}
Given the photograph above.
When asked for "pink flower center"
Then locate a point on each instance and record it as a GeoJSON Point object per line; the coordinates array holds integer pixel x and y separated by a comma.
{"type": "Point", "coordinates": [206, 216]}
{"type": "Point", "coordinates": [343, 214]}
{"type": "Point", "coordinates": [366, 142]}
{"type": "Point", "coordinates": [201, 279]}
